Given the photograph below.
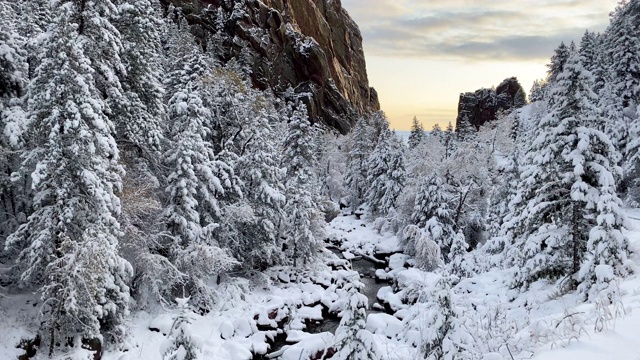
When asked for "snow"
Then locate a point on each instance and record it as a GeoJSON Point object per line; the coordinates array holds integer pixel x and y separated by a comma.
{"type": "Point", "coordinates": [538, 323]}
{"type": "Point", "coordinates": [312, 313]}
{"type": "Point", "coordinates": [309, 347]}
{"type": "Point", "coordinates": [359, 237]}
{"type": "Point", "coordinates": [384, 324]}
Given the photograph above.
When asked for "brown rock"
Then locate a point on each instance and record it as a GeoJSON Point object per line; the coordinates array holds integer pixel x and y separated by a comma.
{"type": "Point", "coordinates": [312, 46]}
{"type": "Point", "coordinates": [477, 108]}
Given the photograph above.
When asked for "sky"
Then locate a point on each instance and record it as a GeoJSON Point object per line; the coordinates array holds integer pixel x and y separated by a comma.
{"type": "Point", "coordinates": [421, 54]}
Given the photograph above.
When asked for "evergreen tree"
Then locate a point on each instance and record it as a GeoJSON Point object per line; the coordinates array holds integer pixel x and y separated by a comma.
{"type": "Point", "coordinates": [197, 182]}
{"type": "Point", "coordinates": [34, 18]}
{"type": "Point", "coordinates": [142, 86]}
{"type": "Point", "coordinates": [303, 227]}
{"type": "Point", "coordinates": [181, 345]}
{"type": "Point", "coordinates": [560, 56]}
{"type": "Point", "coordinates": [506, 182]}
{"type": "Point", "coordinates": [445, 337]}
{"type": "Point", "coordinates": [431, 201]}
{"type": "Point", "coordinates": [567, 180]}
{"type": "Point", "coordinates": [622, 53]}
{"type": "Point", "coordinates": [589, 51]}
{"type": "Point", "coordinates": [418, 242]}
{"type": "Point", "coordinates": [360, 149]}
{"type": "Point", "coordinates": [247, 134]}
{"type": "Point", "coordinates": [13, 72]}
{"type": "Point", "coordinates": [431, 212]}
{"type": "Point", "coordinates": [537, 91]}
{"type": "Point", "coordinates": [13, 80]}
{"type": "Point", "coordinates": [102, 44]}
{"type": "Point", "coordinates": [70, 241]}
{"type": "Point", "coordinates": [436, 131]}
{"type": "Point", "coordinates": [450, 141]}
{"type": "Point", "coordinates": [458, 259]}
{"type": "Point", "coordinates": [465, 130]}
{"type": "Point", "coordinates": [417, 133]}
{"type": "Point", "coordinates": [385, 174]}
{"type": "Point", "coordinates": [353, 341]}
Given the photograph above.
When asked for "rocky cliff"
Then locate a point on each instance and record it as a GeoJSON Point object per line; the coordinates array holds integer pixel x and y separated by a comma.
{"type": "Point", "coordinates": [477, 108]}
{"type": "Point", "coordinates": [312, 46]}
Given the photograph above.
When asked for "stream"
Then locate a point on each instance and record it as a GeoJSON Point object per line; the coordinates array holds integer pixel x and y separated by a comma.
{"type": "Point", "coordinates": [367, 270]}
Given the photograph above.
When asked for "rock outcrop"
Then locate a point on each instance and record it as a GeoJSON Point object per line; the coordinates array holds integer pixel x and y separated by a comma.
{"type": "Point", "coordinates": [477, 108]}
{"type": "Point", "coordinates": [312, 46]}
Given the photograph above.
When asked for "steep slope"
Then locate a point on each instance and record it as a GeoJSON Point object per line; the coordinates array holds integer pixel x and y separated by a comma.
{"type": "Point", "coordinates": [312, 46]}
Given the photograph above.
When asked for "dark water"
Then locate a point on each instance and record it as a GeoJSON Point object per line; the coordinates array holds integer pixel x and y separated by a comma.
{"type": "Point", "coordinates": [367, 270]}
{"type": "Point", "coordinates": [330, 322]}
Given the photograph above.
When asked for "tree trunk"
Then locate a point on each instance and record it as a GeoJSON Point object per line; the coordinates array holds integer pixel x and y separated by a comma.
{"type": "Point", "coordinates": [575, 219]}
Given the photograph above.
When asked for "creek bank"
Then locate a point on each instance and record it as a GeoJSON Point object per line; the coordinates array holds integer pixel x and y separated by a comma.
{"type": "Point", "coordinates": [329, 321]}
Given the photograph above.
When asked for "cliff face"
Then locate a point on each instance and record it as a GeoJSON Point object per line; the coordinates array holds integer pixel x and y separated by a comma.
{"type": "Point", "coordinates": [312, 46]}
{"type": "Point", "coordinates": [477, 108]}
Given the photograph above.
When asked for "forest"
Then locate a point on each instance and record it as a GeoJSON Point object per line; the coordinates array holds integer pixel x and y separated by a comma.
{"type": "Point", "coordinates": [151, 195]}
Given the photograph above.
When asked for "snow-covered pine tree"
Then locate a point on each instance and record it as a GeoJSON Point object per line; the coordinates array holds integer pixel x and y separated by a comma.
{"type": "Point", "coordinates": [70, 241]}
{"type": "Point", "coordinates": [13, 71]}
{"type": "Point", "coordinates": [616, 125]}
{"type": "Point", "coordinates": [560, 56]}
{"type": "Point", "coordinates": [13, 80]}
{"type": "Point", "coordinates": [607, 248]}
{"type": "Point", "coordinates": [419, 243]}
{"type": "Point", "coordinates": [33, 17]}
{"type": "Point", "coordinates": [504, 179]}
{"type": "Point", "coordinates": [437, 132]}
{"type": "Point", "coordinates": [360, 148]}
{"type": "Point", "coordinates": [589, 50]}
{"type": "Point", "coordinates": [417, 134]}
{"type": "Point", "coordinates": [378, 124]}
{"type": "Point", "coordinates": [622, 48]}
{"type": "Point", "coordinates": [303, 226]}
{"type": "Point", "coordinates": [458, 257]}
{"type": "Point", "coordinates": [102, 44]}
{"type": "Point", "coordinates": [245, 137]}
{"type": "Point", "coordinates": [353, 341]}
{"type": "Point", "coordinates": [182, 59]}
{"type": "Point", "coordinates": [180, 345]}
{"type": "Point", "coordinates": [142, 86]}
{"type": "Point", "coordinates": [385, 174]}
{"type": "Point", "coordinates": [445, 337]}
{"type": "Point", "coordinates": [465, 130]}
{"type": "Point", "coordinates": [431, 201]}
{"type": "Point", "coordinates": [431, 212]}
{"type": "Point", "coordinates": [567, 189]}
{"type": "Point", "coordinates": [537, 91]}
{"type": "Point", "coordinates": [449, 141]}
{"type": "Point", "coordinates": [197, 181]}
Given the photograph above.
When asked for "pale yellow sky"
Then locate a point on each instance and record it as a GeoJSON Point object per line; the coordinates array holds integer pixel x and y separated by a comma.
{"type": "Point", "coordinates": [421, 54]}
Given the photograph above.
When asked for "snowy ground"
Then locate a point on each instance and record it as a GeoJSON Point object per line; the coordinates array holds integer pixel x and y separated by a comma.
{"type": "Point", "coordinates": [539, 324]}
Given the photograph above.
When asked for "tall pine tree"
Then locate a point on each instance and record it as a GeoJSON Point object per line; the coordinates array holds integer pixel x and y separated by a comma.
{"type": "Point", "coordinates": [417, 133]}
{"type": "Point", "coordinates": [70, 241]}
{"type": "Point", "coordinates": [303, 226]}
{"type": "Point", "coordinates": [385, 174]}
{"type": "Point", "coordinates": [568, 179]}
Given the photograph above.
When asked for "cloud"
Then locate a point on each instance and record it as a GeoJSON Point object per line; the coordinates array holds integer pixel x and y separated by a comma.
{"type": "Point", "coordinates": [474, 30]}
